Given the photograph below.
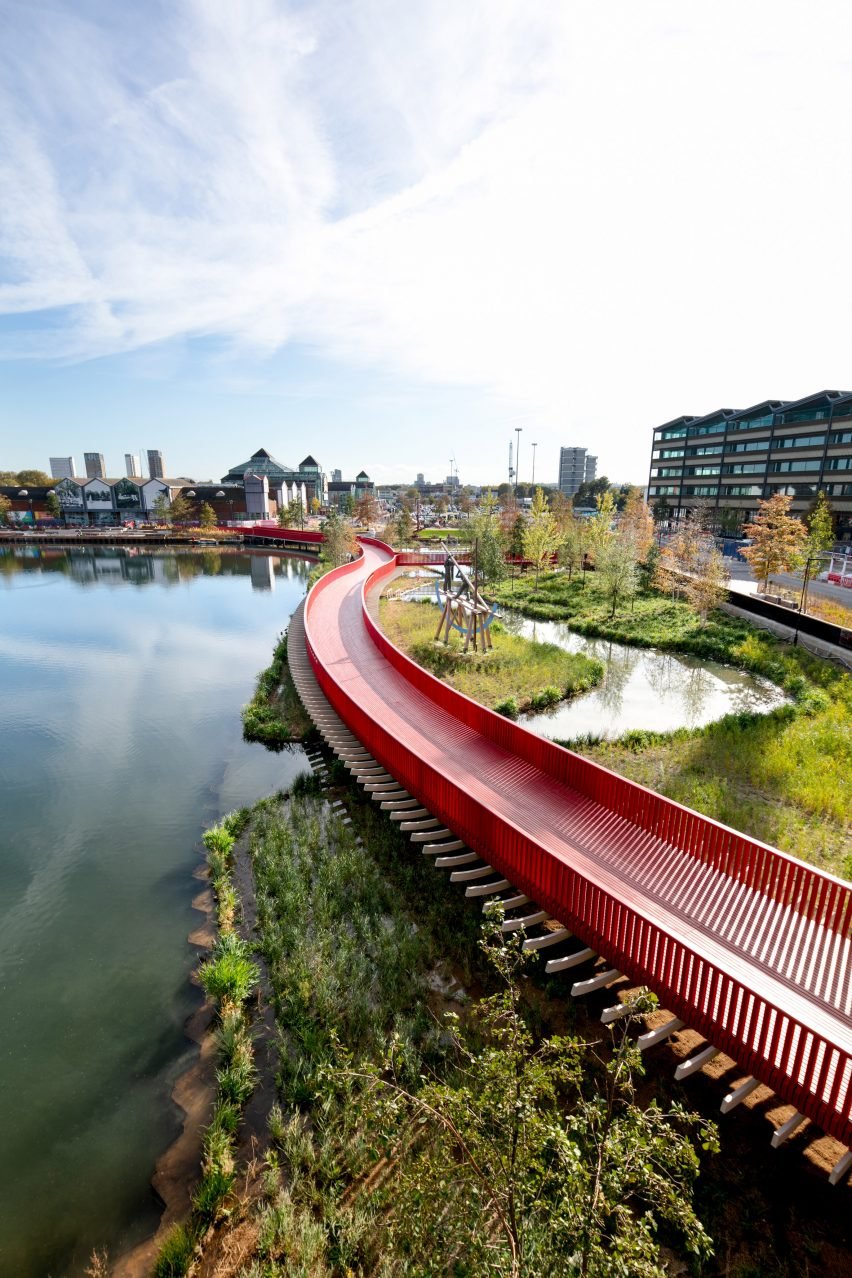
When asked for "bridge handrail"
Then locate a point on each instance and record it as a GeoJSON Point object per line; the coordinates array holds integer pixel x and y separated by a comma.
{"type": "Point", "coordinates": [800, 1060]}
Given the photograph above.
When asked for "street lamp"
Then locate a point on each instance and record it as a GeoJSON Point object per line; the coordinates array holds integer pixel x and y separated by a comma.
{"type": "Point", "coordinates": [518, 430]}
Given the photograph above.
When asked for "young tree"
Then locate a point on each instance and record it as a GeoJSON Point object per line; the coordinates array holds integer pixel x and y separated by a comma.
{"type": "Point", "coordinates": [617, 575]}
{"type": "Point", "coordinates": [541, 535]}
{"type": "Point", "coordinates": [637, 524]}
{"type": "Point", "coordinates": [490, 540]}
{"type": "Point", "coordinates": [5, 507]}
{"type": "Point", "coordinates": [180, 510]}
{"type": "Point", "coordinates": [600, 526]}
{"type": "Point", "coordinates": [778, 539]}
{"type": "Point", "coordinates": [207, 516]}
{"type": "Point", "coordinates": [572, 547]}
{"type": "Point", "coordinates": [53, 506]}
{"type": "Point", "coordinates": [339, 545]}
{"type": "Point", "coordinates": [161, 509]}
{"type": "Point", "coordinates": [820, 527]}
{"type": "Point", "coordinates": [315, 505]}
{"type": "Point", "coordinates": [533, 1157]}
{"type": "Point", "coordinates": [692, 564]}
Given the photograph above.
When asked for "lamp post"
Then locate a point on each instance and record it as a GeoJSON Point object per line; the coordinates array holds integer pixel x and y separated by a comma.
{"type": "Point", "coordinates": [518, 430]}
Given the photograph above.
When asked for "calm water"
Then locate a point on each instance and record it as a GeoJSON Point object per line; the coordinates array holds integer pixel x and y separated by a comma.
{"type": "Point", "coordinates": [121, 679]}
{"type": "Point", "coordinates": [642, 688]}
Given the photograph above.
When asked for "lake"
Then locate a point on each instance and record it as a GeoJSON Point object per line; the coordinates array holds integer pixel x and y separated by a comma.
{"type": "Point", "coordinates": [122, 674]}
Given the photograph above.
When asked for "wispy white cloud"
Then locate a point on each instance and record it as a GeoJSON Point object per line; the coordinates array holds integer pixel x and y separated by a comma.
{"type": "Point", "coordinates": [561, 204]}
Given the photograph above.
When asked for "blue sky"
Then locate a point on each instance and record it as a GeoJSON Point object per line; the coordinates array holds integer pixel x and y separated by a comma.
{"type": "Point", "coordinates": [388, 233]}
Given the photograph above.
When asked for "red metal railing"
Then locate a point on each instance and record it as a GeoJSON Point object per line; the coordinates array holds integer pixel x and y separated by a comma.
{"type": "Point", "coordinates": [786, 1030]}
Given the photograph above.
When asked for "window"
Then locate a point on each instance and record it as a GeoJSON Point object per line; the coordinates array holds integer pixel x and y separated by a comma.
{"type": "Point", "coordinates": [742, 490]}
{"type": "Point", "coordinates": [806, 415]}
{"type": "Point", "coordinates": [794, 490]}
{"type": "Point", "coordinates": [840, 437]}
{"type": "Point", "coordinates": [744, 468]}
{"type": "Point", "coordinates": [702, 450]}
{"type": "Point", "coordinates": [663, 491]}
{"type": "Point", "coordinates": [747, 446]}
{"type": "Point", "coordinates": [799, 441]}
{"type": "Point", "coordinates": [841, 490]}
{"type": "Point", "coordinates": [704, 490]}
{"type": "Point", "coordinates": [665, 472]}
{"type": "Point", "coordinates": [712, 429]}
{"type": "Point", "coordinates": [702, 470]}
{"type": "Point", "coordinates": [838, 463]}
{"type": "Point", "coordinates": [751, 423]}
{"type": "Point", "coordinates": [673, 432]}
{"type": "Point", "coordinates": [804, 463]}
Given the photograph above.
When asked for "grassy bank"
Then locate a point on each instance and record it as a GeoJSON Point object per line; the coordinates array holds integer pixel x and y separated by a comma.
{"type": "Point", "coordinates": [780, 777]}
{"type": "Point", "coordinates": [275, 716]}
{"type": "Point", "coordinates": [520, 674]}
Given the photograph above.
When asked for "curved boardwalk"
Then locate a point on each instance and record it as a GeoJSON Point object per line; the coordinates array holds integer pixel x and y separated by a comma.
{"type": "Point", "coordinates": [743, 943]}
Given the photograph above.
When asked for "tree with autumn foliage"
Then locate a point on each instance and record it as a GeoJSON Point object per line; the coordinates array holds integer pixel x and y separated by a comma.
{"type": "Point", "coordinates": [636, 523]}
{"type": "Point", "coordinates": [778, 539]}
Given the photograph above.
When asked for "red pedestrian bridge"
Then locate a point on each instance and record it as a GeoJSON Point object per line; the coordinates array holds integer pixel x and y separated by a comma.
{"type": "Point", "coordinates": [740, 942]}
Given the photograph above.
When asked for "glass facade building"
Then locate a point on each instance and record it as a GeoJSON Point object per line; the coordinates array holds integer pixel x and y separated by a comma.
{"type": "Point", "coordinates": [728, 460]}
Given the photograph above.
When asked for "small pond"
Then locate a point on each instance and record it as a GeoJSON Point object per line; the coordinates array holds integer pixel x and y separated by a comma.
{"type": "Point", "coordinates": [643, 688]}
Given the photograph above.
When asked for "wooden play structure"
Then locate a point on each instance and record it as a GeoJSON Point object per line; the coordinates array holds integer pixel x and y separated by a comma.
{"type": "Point", "coordinates": [463, 607]}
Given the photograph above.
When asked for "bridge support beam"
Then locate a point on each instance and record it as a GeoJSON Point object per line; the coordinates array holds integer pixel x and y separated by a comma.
{"type": "Point", "coordinates": [528, 920]}
{"type": "Point", "coordinates": [840, 1168]}
{"type": "Point", "coordinates": [488, 889]}
{"type": "Point", "coordinates": [570, 960]}
{"type": "Point", "coordinates": [549, 938]}
{"type": "Point", "coordinates": [785, 1131]}
{"type": "Point", "coordinates": [653, 1037]}
{"type": "Point", "coordinates": [581, 988]}
{"type": "Point", "coordinates": [470, 876]}
{"type": "Point", "coordinates": [738, 1095]}
{"type": "Point", "coordinates": [695, 1063]}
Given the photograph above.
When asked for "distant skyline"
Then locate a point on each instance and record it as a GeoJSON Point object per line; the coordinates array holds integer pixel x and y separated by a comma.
{"type": "Point", "coordinates": [389, 234]}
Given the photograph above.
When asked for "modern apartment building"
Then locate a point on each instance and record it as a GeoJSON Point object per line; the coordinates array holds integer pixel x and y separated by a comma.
{"type": "Point", "coordinates": [63, 468]}
{"type": "Point", "coordinates": [155, 464]}
{"type": "Point", "coordinates": [132, 468]}
{"type": "Point", "coordinates": [576, 466]}
{"type": "Point", "coordinates": [728, 460]}
{"type": "Point", "coordinates": [94, 463]}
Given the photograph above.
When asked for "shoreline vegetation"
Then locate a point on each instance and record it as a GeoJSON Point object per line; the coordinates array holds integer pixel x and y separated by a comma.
{"type": "Point", "coordinates": [275, 716]}
{"type": "Point", "coordinates": [396, 1038]}
{"type": "Point", "coordinates": [393, 1006]}
{"type": "Point", "coordinates": [779, 777]}
{"type": "Point", "coordinates": [518, 675]}
{"type": "Point", "coordinates": [228, 977]}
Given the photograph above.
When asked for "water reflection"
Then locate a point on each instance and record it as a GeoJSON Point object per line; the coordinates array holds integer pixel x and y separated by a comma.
{"type": "Point", "coordinates": [122, 673]}
{"type": "Point", "coordinates": [642, 688]}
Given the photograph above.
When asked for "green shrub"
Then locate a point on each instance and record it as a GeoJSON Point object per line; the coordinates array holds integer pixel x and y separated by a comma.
{"type": "Point", "coordinates": [230, 974]}
{"type": "Point", "coordinates": [508, 708]}
{"type": "Point", "coordinates": [175, 1255]}
{"type": "Point", "coordinates": [210, 1196]}
{"type": "Point", "coordinates": [545, 698]}
{"type": "Point", "coordinates": [237, 1082]}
